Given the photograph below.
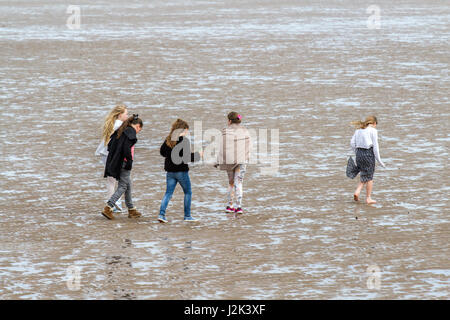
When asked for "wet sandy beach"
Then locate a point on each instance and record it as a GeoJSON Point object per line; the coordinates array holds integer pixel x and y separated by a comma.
{"type": "Point", "coordinates": [306, 68]}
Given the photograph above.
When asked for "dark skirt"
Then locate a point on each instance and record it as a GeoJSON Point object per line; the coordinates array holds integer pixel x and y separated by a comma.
{"type": "Point", "coordinates": [365, 160]}
{"type": "Point", "coordinates": [365, 165]}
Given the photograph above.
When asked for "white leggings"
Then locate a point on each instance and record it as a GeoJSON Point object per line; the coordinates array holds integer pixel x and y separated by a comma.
{"type": "Point", "coordinates": [235, 180]}
{"type": "Point", "coordinates": [111, 185]}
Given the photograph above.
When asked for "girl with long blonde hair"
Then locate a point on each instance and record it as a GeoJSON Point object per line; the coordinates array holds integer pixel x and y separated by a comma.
{"type": "Point", "coordinates": [120, 163]}
{"type": "Point", "coordinates": [112, 122]}
{"type": "Point", "coordinates": [365, 145]}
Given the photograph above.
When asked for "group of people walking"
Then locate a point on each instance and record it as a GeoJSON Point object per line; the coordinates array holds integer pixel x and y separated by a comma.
{"type": "Point", "coordinates": [119, 136]}
{"type": "Point", "coordinates": [116, 150]}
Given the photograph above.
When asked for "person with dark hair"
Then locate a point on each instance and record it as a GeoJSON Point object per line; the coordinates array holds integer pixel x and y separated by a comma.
{"type": "Point", "coordinates": [233, 156]}
{"type": "Point", "coordinates": [120, 162]}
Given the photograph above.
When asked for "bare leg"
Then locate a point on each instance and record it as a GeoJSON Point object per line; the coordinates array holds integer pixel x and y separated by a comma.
{"type": "Point", "coordinates": [369, 187]}
{"type": "Point", "coordinates": [358, 191]}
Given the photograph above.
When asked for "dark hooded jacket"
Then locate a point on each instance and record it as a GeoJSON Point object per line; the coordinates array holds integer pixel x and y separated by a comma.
{"type": "Point", "coordinates": [119, 152]}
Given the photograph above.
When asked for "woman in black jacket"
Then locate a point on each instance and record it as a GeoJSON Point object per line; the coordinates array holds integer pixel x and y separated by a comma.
{"type": "Point", "coordinates": [120, 162]}
{"type": "Point", "coordinates": [176, 150]}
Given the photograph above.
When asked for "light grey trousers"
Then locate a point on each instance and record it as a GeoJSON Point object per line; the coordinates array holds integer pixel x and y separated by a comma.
{"type": "Point", "coordinates": [124, 187]}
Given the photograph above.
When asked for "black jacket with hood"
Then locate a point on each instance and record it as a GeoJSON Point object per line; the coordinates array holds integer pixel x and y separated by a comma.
{"type": "Point", "coordinates": [119, 151]}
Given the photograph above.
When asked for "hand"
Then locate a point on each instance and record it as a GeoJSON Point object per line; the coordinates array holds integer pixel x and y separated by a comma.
{"type": "Point", "coordinates": [128, 165]}
{"type": "Point", "coordinates": [383, 165]}
{"type": "Point", "coordinates": [201, 153]}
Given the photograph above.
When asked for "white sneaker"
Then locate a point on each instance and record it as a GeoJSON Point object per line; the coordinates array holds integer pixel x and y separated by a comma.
{"type": "Point", "coordinates": [162, 219]}
{"type": "Point", "coordinates": [118, 207]}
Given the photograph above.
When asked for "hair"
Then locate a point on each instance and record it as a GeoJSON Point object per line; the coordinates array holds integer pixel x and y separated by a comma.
{"type": "Point", "coordinates": [234, 117]}
{"type": "Point", "coordinates": [179, 125]}
{"type": "Point", "coordinates": [363, 124]}
{"type": "Point", "coordinates": [108, 124]}
{"type": "Point", "coordinates": [134, 119]}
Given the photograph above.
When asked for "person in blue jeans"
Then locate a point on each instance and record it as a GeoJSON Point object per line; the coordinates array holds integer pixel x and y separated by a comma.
{"type": "Point", "coordinates": [176, 150]}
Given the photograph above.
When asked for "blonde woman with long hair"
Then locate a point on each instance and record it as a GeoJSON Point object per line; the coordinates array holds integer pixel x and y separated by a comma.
{"type": "Point", "coordinates": [120, 163]}
{"type": "Point", "coordinates": [365, 145]}
{"type": "Point", "coordinates": [112, 122]}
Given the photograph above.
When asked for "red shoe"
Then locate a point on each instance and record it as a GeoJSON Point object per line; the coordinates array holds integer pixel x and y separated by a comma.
{"type": "Point", "coordinates": [229, 209]}
{"type": "Point", "coordinates": [238, 211]}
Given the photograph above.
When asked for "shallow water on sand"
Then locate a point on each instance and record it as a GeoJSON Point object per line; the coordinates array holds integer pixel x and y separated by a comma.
{"type": "Point", "coordinates": [306, 68]}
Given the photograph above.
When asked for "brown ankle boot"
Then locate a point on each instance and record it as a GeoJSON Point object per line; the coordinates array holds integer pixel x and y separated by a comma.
{"type": "Point", "coordinates": [133, 213]}
{"type": "Point", "coordinates": [108, 213]}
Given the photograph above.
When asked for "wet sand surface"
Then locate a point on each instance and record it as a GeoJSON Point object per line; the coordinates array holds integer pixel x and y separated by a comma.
{"type": "Point", "coordinates": [307, 68]}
